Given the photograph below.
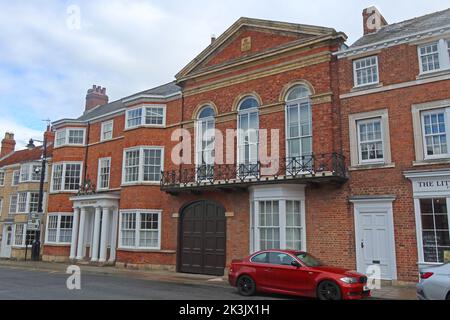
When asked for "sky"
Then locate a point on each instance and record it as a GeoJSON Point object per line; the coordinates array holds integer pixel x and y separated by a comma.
{"type": "Point", "coordinates": [51, 52]}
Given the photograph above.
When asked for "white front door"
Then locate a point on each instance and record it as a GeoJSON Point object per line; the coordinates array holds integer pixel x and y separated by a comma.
{"type": "Point", "coordinates": [6, 242]}
{"type": "Point", "coordinates": [375, 240]}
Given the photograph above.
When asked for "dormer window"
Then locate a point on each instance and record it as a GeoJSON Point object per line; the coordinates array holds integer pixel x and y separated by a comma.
{"type": "Point", "coordinates": [70, 137]}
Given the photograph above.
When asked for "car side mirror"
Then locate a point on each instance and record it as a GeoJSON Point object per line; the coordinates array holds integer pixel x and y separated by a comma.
{"type": "Point", "coordinates": [296, 264]}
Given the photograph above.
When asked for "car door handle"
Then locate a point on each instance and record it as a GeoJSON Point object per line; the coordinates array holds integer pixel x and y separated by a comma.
{"type": "Point", "coordinates": [362, 244]}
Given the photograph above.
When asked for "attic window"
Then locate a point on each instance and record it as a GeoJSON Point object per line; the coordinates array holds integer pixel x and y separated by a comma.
{"type": "Point", "coordinates": [246, 44]}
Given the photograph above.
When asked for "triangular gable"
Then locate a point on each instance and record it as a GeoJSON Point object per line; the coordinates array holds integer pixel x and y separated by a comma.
{"type": "Point", "coordinates": [248, 37]}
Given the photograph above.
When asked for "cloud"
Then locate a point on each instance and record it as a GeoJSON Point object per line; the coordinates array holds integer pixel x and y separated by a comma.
{"type": "Point", "coordinates": [22, 134]}
{"type": "Point", "coordinates": [46, 65]}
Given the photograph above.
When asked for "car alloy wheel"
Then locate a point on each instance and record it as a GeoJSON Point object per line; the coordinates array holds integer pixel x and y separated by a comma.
{"type": "Point", "coordinates": [328, 290]}
{"type": "Point", "coordinates": [246, 286]}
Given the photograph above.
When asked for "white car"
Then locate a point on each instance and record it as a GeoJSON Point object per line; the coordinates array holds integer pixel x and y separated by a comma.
{"type": "Point", "coordinates": [434, 283]}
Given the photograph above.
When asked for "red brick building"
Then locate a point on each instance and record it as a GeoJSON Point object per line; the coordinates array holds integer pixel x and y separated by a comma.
{"type": "Point", "coordinates": [254, 146]}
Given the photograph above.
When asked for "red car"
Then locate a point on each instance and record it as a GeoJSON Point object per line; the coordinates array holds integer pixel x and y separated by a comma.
{"type": "Point", "coordinates": [295, 273]}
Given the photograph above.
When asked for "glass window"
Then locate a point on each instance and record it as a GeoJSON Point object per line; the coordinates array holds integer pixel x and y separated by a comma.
{"type": "Point", "coordinates": [429, 57]}
{"type": "Point", "coordinates": [134, 117]}
{"type": "Point", "coordinates": [33, 201]}
{"type": "Point", "coordinates": [66, 176]}
{"type": "Point", "coordinates": [248, 127]}
{"type": "Point", "coordinates": [269, 225]}
{"type": "Point", "coordinates": [293, 225]}
{"type": "Point", "coordinates": [104, 168]}
{"type": "Point", "coordinates": [65, 229]}
{"type": "Point", "coordinates": [435, 133]}
{"type": "Point", "coordinates": [132, 165]}
{"type": "Point", "coordinates": [57, 177]}
{"type": "Point", "coordinates": [72, 176]}
{"type": "Point", "coordinates": [366, 71]}
{"type": "Point", "coordinates": [152, 165]}
{"type": "Point", "coordinates": [60, 137]}
{"type": "Point", "coordinates": [308, 259]}
{"type": "Point", "coordinates": [370, 138]}
{"type": "Point", "coordinates": [52, 228]}
{"type": "Point", "coordinates": [2, 178]}
{"type": "Point", "coordinates": [16, 178]}
{"type": "Point", "coordinates": [36, 172]}
{"type": "Point", "coordinates": [19, 234]}
{"type": "Point", "coordinates": [154, 115]}
{"type": "Point", "coordinates": [279, 258]}
{"type": "Point", "coordinates": [261, 258]}
{"type": "Point", "coordinates": [76, 136]}
{"type": "Point", "coordinates": [25, 172]}
{"type": "Point", "coordinates": [205, 144]}
{"type": "Point", "coordinates": [149, 234]}
{"type": "Point", "coordinates": [435, 229]}
{"type": "Point", "coordinates": [13, 204]}
{"type": "Point", "coordinates": [22, 202]}
{"type": "Point", "coordinates": [128, 229]}
{"type": "Point", "coordinates": [107, 130]}
{"type": "Point", "coordinates": [299, 131]}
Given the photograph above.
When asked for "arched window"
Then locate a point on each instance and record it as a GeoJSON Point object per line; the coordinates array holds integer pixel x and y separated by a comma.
{"type": "Point", "coordinates": [205, 143]}
{"type": "Point", "coordinates": [248, 126]}
{"type": "Point", "coordinates": [298, 128]}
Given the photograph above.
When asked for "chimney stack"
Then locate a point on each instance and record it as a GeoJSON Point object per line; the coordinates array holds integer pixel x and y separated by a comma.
{"type": "Point", "coordinates": [373, 20]}
{"type": "Point", "coordinates": [49, 135]}
{"type": "Point", "coordinates": [213, 38]}
{"type": "Point", "coordinates": [95, 97]}
{"type": "Point", "coordinates": [8, 144]}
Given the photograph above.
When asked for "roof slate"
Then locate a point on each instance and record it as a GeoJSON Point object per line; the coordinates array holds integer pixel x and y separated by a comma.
{"type": "Point", "coordinates": [26, 155]}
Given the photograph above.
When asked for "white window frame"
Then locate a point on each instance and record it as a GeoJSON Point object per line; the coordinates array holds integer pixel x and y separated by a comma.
{"type": "Point", "coordinates": [446, 111]}
{"type": "Point", "coordinates": [99, 174]}
{"type": "Point", "coordinates": [15, 175]}
{"type": "Point", "coordinates": [29, 168]}
{"type": "Point", "coordinates": [141, 150]}
{"type": "Point", "coordinates": [24, 235]}
{"type": "Point", "coordinates": [443, 49]}
{"type": "Point", "coordinates": [143, 116]}
{"type": "Point", "coordinates": [282, 194]}
{"type": "Point", "coordinates": [365, 121]}
{"type": "Point", "coordinates": [58, 227]}
{"type": "Point", "coordinates": [67, 135]}
{"type": "Point", "coordinates": [355, 155]}
{"type": "Point", "coordinates": [63, 175]}
{"type": "Point", "coordinates": [13, 202]}
{"type": "Point", "coordinates": [2, 178]}
{"type": "Point", "coordinates": [102, 131]}
{"type": "Point", "coordinates": [199, 135]}
{"type": "Point", "coordinates": [27, 202]}
{"type": "Point", "coordinates": [1, 205]}
{"type": "Point", "coordinates": [138, 213]}
{"type": "Point", "coordinates": [355, 77]}
{"type": "Point", "coordinates": [241, 135]}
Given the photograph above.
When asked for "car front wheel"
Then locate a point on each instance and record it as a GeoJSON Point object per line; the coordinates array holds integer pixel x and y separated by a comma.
{"type": "Point", "coordinates": [328, 290]}
{"type": "Point", "coordinates": [246, 286]}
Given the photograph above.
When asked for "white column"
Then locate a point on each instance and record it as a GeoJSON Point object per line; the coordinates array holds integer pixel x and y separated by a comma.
{"type": "Point", "coordinates": [96, 237]}
{"type": "Point", "coordinates": [115, 222]}
{"type": "Point", "coordinates": [80, 248]}
{"type": "Point", "coordinates": [73, 243]}
{"type": "Point", "coordinates": [104, 235]}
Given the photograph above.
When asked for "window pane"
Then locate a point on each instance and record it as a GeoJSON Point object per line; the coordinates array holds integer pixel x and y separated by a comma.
{"type": "Point", "coordinates": [76, 136]}
{"type": "Point", "coordinates": [57, 176]}
{"type": "Point", "coordinates": [72, 176]}
{"type": "Point", "coordinates": [134, 117]}
{"type": "Point", "coordinates": [128, 229]}
{"type": "Point", "coordinates": [132, 166]}
{"type": "Point", "coordinates": [435, 135]}
{"type": "Point", "coordinates": [154, 116]}
{"type": "Point", "coordinates": [366, 71]}
{"type": "Point", "coordinates": [152, 165]}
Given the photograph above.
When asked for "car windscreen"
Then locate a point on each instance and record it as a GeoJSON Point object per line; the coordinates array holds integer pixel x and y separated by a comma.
{"type": "Point", "coordinates": [309, 260]}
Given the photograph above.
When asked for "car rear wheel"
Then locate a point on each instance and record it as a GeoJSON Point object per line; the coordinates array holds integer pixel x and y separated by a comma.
{"type": "Point", "coordinates": [328, 290]}
{"type": "Point", "coordinates": [246, 286]}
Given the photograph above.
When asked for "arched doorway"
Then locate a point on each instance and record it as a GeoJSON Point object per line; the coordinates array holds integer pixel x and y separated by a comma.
{"type": "Point", "coordinates": [202, 239]}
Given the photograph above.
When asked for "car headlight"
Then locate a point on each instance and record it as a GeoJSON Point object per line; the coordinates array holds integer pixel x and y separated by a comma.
{"type": "Point", "coordinates": [349, 280]}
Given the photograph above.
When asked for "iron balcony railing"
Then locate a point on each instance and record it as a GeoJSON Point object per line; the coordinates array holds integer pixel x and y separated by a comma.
{"type": "Point", "coordinates": [326, 167]}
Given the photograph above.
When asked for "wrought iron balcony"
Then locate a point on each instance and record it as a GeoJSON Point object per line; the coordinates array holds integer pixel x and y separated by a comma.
{"type": "Point", "coordinates": [321, 168]}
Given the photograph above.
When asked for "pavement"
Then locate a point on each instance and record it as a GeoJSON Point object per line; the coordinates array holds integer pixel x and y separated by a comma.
{"type": "Point", "coordinates": [19, 279]}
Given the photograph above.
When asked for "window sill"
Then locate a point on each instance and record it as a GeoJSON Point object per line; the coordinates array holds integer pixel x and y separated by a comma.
{"type": "Point", "coordinates": [366, 87]}
{"type": "Point", "coordinates": [372, 166]}
{"type": "Point", "coordinates": [132, 184]}
{"type": "Point", "coordinates": [431, 162]}
{"type": "Point", "coordinates": [51, 244]}
{"type": "Point", "coordinates": [432, 74]}
{"type": "Point", "coordinates": [63, 192]}
{"type": "Point", "coordinates": [147, 250]}
{"type": "Point", "coordinates": [70, 146]}
{"type": "Point", "coordinates": [146, 126]}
